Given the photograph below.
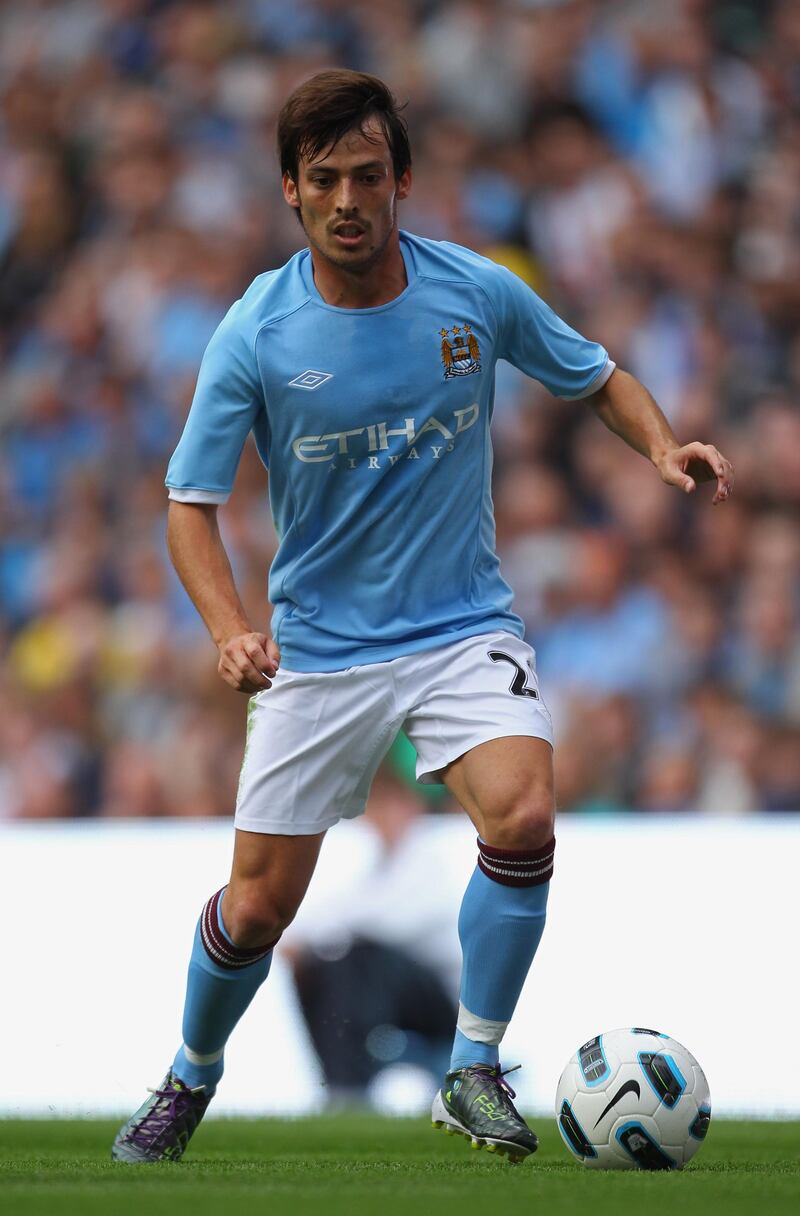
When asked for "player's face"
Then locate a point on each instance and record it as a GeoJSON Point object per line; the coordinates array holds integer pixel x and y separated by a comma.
{"type": "Point", "coordinates": [347, 198]}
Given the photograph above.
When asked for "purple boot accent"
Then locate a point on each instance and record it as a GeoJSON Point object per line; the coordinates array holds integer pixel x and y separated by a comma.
{"type": "Point", "coordinates": [163, 1126]}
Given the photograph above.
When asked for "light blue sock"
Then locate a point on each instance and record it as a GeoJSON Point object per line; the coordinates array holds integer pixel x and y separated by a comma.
{"type": "Point", "coordinates": [223, 979]}
{"type": "Point", "coordinates": [500, 926]}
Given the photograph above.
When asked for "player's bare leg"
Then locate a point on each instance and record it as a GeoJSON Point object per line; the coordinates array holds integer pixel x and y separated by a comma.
{"type": "Point", "coordinates": [230, 960]}
{"type": "Point", "coordinates": [269, 878]}
{"type": "Point", "coordinates": [506, 787]}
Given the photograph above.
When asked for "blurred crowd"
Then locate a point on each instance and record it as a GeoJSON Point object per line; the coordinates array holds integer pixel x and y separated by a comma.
{"type": "Point", "coordinates": [638, 163]}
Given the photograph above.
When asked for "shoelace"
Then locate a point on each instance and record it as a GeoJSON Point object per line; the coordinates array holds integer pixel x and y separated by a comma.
{"type": "Point", "coordinates": [503, 1083]}
{"type": "Point", "coordinates": [173, 1104]}
{"type": "Point", "coordinates": [500, 1077]}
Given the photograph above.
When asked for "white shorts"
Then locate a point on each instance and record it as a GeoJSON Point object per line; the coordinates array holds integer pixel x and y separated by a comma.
{"type": "Point", "coordinates": [315, 741]}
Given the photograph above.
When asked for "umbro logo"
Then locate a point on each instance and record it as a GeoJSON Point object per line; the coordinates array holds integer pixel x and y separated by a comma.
{"type": "Point", "coordinates": [310, 380]}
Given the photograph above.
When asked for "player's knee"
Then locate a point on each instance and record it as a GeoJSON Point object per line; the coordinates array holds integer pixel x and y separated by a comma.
{"type": "Point", "coordinates": [253, 918]}
{"type": "Point", "coordinates": [524, 824]}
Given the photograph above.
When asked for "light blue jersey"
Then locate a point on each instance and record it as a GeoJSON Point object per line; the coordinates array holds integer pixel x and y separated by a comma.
{"type": "Point", "coordinates": [374, 424]}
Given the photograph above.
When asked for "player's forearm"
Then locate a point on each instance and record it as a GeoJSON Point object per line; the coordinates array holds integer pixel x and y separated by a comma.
{"type": "Point", "coordinates": [628, 409]}
{"type": "Point", "coordinates": [199, 557]}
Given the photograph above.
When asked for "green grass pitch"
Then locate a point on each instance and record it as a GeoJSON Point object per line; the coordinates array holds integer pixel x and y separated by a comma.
{"type": "Point", "coordinates": [356, 1164]}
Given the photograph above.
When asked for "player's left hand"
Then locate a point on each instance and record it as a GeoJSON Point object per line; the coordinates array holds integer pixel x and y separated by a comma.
{"type": "Point", "coordinates": [686, 466]}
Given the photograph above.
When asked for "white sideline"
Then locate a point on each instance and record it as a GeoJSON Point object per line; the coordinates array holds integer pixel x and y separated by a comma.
{"type": "Point", "coordinates": [682, 924]}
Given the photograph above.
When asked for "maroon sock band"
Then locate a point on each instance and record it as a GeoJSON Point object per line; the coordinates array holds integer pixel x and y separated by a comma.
{"type": "Point", "coordinates": [218, 948]}
{"type": "Point", "coordinates": [517, 867]}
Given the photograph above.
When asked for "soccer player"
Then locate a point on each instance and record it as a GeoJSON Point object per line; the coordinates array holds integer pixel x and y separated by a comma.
{"type": "Point", "coordinates": [364, 368]}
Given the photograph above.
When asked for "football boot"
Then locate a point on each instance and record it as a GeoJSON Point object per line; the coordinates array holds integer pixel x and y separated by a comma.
{"type": "Point", "coordinates": [477, 1102]}
{"type": "Point", "coordinates": [163, 1126]}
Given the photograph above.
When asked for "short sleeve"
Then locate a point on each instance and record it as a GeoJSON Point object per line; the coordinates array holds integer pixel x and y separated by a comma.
{"type": "Point", "coordinates": [536, 340]}
{"type": "Point", "coordinates": [226, 404]}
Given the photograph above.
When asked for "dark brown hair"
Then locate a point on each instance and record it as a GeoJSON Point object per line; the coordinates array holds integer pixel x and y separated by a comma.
{"type": "Point", "coordinates": [330, 104]}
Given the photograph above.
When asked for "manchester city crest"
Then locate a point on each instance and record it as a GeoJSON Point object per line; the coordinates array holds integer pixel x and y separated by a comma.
{"type": "Point", "coordinates": [461, 354]}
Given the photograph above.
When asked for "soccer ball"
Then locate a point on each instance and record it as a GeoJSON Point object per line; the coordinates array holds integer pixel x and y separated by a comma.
{"type": "Point", "coordinates": [633, 1099]}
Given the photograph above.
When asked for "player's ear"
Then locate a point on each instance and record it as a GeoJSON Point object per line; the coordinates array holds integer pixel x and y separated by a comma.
{"type": "Point", "coordinates": [290, 191]}
{"type": "Point", "coordinates": [403, 185]}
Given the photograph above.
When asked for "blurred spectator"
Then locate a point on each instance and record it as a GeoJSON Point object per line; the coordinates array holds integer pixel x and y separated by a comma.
{"type": "Point", "coordinates": [372, 993]}
{"type": "Point", "coordinates": [635, 163]}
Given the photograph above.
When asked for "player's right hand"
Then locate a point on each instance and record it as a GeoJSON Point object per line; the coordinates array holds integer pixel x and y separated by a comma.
{"type": "Point", "coordinates": [248, 661]}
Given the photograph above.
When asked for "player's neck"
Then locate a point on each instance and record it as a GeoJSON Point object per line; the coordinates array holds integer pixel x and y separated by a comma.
{"type": "Point", "coordinates": [377, 284]}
